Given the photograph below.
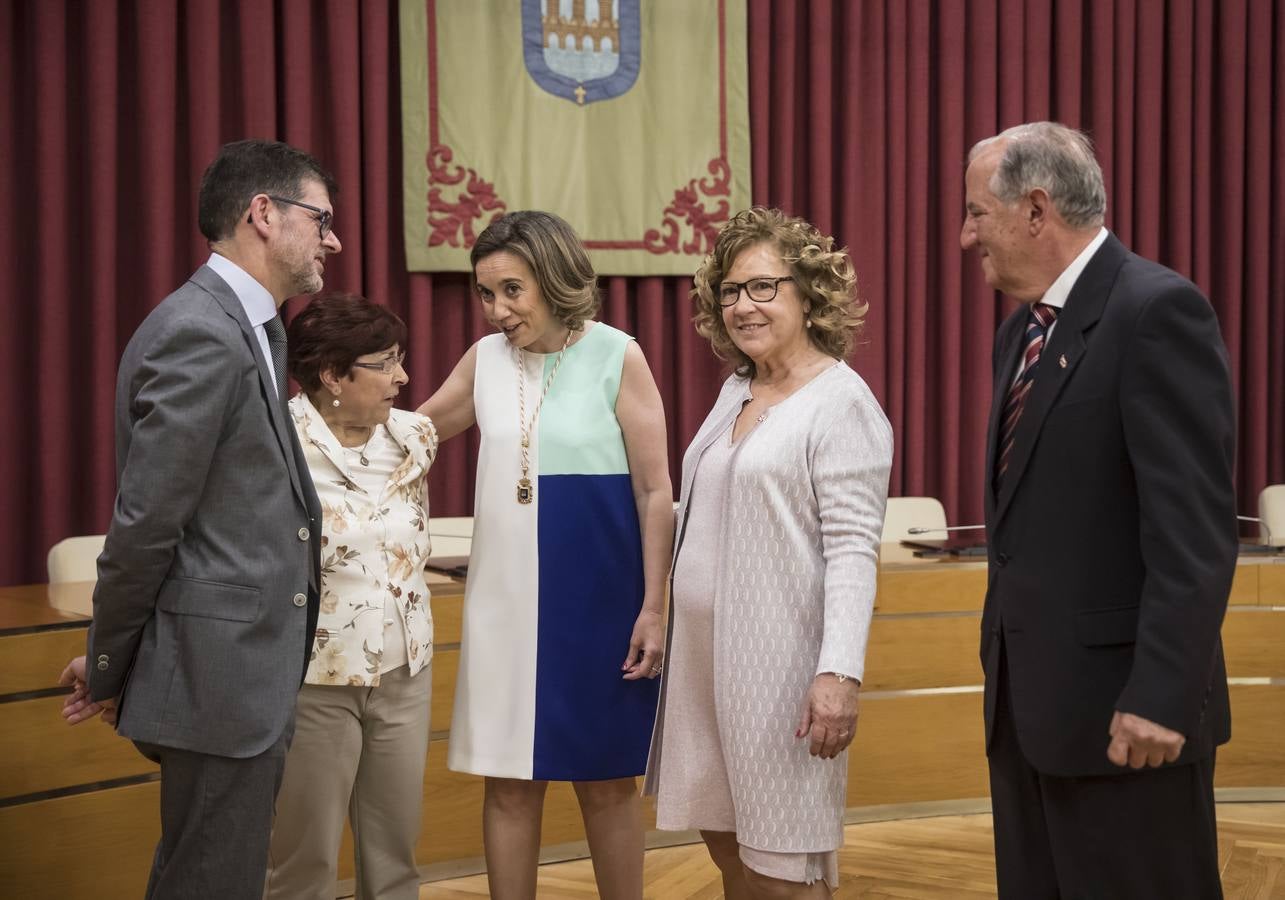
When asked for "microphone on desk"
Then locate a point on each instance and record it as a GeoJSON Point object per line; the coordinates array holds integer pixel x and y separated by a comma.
{"type": "Point", "coordinates": [924, 530]}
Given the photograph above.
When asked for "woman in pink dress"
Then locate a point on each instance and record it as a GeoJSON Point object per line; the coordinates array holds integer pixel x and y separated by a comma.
{"type": "Point", "coordinates": [782, 504]}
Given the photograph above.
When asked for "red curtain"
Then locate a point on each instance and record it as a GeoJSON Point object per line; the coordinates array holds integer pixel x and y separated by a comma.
{"type": "Point", "coordinates": [861, 116]}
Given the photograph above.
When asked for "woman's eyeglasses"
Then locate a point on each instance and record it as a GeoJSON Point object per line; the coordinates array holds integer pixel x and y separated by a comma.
{"type": "Point", "coordinates": [761, 290]}
{"type": "Point", "coordinates": [388, 365]}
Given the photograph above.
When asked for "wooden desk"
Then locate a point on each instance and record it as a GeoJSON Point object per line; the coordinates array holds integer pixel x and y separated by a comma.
{"type": "Point", "coordinates": [920, 735]}
{"type": "Point", "coordinates": [74, 794]}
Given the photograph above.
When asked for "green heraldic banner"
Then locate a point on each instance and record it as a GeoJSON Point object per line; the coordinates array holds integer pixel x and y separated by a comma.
{"type": "Point", "coordinates": [628, 118]}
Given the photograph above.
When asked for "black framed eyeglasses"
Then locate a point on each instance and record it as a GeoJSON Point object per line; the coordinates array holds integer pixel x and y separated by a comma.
{"type": "Point", "coordinates": [325, 218]}
{"type": "Point", "coordinates": [761, 290]}
{"type": "Point", "coordinates": [388, 365]}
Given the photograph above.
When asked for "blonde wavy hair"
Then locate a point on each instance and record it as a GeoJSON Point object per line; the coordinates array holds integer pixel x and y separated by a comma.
{"type": "Point", "coordinates": [557, 259]}
{"type": "Point", "coordinates": [824, 276]}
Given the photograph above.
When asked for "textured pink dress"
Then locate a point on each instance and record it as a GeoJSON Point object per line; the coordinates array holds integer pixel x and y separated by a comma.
{"type": "Point", "coordinates": [694, 791]}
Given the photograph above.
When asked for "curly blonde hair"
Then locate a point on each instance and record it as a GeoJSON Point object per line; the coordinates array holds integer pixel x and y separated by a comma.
{"type": "Point", "coordinates": [824, 276]}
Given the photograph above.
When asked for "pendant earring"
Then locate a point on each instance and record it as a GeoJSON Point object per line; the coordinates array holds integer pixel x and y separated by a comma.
{"type": "Point", "coordinates": [334, 402]}
{"type": "Point", "coordinates": [809, 324]}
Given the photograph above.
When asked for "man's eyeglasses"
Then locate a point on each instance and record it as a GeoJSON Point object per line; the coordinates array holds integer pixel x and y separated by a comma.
{"type": "Point", "coordinates": [388, 365]}
{"type": "Point", "coordinates": [325, 218]}
{"type": "Point", "coordinates": [761, 290]}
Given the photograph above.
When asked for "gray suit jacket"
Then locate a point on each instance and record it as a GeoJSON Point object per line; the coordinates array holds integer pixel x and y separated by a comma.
{"type": "Point", "coordinates": [207, 590]}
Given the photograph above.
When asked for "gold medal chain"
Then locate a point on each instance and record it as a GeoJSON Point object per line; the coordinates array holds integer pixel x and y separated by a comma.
{"type": "Point", "coordinates": [526, 491]}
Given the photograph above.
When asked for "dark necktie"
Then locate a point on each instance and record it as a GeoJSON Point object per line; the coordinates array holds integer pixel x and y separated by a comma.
{"type": "Point", "coordinates": [277, 347]}
{"type": "Point", "coordinates": [1041, 319]}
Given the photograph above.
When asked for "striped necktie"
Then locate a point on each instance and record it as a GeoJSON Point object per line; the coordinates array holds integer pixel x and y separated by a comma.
{"type": "Point", "coordinates": [1041, 319]}
{"type": "Point", "coordinates": [277, 346]}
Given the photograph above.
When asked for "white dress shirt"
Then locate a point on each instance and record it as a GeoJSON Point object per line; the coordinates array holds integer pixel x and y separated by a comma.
{"type": "Point", "coordinates": [1061, 287]}
{"type": "Point", "coordinates": [258, 304]}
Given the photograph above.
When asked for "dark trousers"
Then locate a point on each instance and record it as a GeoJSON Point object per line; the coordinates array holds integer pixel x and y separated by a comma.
{"type": "Point", "coordinates": [1146, 835]}
{"type": "Point", "coordinates": [216, 817]}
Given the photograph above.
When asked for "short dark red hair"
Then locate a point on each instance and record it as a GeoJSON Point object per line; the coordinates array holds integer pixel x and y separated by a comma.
{"type": "Point", "coordinates": [333, 330]}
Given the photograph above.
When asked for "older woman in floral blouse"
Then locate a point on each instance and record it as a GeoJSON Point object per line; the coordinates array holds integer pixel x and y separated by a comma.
{"type": "Point", "coordinates": [361, 728]}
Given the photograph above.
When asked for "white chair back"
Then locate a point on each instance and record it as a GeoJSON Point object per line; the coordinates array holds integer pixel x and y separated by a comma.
{"type": "Point", "coordinates": [451, 535]}
{"type": "Point", "coordinates": [905, 513]}
{"type": "Point", "coordinates": [75, 558]}
{"type": "Point", "coordinates": [71, 561]}
{"type": "Point", "coordinates": [1271, 514]}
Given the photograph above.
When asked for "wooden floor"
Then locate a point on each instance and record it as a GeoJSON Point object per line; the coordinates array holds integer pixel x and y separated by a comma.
{"type": "Point", "coordinates": [924, 859]}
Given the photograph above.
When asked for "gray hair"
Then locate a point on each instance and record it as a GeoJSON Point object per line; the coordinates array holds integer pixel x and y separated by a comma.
{"type": "Point", "coordinates": [1056, 158]}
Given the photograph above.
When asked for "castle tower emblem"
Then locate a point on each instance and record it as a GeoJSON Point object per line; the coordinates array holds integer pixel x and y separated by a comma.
{"type": "Point", "coordinates": [582, 50]}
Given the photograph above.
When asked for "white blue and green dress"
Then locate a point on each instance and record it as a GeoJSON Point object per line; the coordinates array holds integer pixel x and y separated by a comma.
{"type": "Point", "coordinates": [555, 585]}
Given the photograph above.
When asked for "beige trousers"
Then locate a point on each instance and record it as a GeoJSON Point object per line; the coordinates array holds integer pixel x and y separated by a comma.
{"type": "Point", "coordinates": [358, 751]}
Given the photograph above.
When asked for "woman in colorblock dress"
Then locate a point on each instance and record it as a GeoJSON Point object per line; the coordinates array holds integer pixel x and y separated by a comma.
{"type": "Point", "coordinates": [573, 529]}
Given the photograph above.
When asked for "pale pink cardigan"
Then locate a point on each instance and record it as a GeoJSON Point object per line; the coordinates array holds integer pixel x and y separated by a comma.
{"type": "Point", "coordinates": [794, 595]}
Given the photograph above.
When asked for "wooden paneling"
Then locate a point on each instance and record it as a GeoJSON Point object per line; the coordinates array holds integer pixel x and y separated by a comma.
{"type": "Point", "coordinates": [445, 667]}
{"type": "Point", "coordinates": [1271, 584]}
{"type": "Point", "coordinates": [87, 845]}
{"type": "Point", "coordinates": [915, 747]}
{"type": "Point", "coordinates": [448, 611]}
{"type": "Point", "coordinates": [33, 662]}
{"type": "Point", "coordinates": [452, 819]}
{"type": "Point", "coordinates": [42, 752]}
{"type": "Point", "coordinates": [920, 747]}
{"type": "Point", "coordinates": [1255, 756]}
{"type": "Point", "coordinates": [909, 585]}
{"type": "Point", "coordinates": [912, 651]}
{"type": "Point", "coordinates": [922, 652]}
{"type": "Point", "coordinates": [452, 824]}
{"type": "Point", "coordinates": [33, 605]}
{"type": "Point", "coordinates": [932, 587]}
{"type": "Point", "coordinates": [1244, 586]}
{"type": "Point", "coordinates": [1254, 642]}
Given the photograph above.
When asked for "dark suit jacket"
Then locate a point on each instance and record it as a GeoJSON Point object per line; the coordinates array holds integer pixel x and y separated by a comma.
{"type": "Point", "coordinates": [207, 591]}
{"type": "Point", "coordinates": [1112, 541]}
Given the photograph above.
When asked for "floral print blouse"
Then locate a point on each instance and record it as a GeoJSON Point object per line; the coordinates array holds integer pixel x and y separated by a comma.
{"type": "Point", "coordinates": [373, 549]}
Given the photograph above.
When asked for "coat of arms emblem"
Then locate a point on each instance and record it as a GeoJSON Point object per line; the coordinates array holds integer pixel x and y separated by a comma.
{"type": "Point", "coordinates": [582, 50]}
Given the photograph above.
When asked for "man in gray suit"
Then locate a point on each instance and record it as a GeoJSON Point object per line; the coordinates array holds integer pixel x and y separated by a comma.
{"type": "Point", "coordinates": [207, 591]}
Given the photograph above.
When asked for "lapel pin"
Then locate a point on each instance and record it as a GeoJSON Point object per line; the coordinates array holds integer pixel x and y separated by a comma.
{"type": "Point", "coordinates": [1061, 361]}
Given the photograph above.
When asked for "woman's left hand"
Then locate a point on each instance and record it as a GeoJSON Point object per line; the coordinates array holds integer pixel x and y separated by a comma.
{"type": "Point", "coordinates": [646, 648]}
{"type": "Point", "coordinates": [830, 714]}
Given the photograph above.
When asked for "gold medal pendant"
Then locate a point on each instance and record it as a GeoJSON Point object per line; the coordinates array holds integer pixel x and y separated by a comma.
{"type": "Point", "coordinates": [526, 490]}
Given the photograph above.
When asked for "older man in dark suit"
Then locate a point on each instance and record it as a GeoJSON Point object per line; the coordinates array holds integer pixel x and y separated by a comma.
{"type": "Point", "coordinates": [1111, 522]}
{"type": "Point", "coordinates": [207, 591]}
